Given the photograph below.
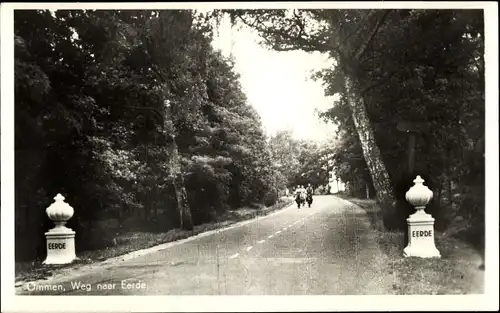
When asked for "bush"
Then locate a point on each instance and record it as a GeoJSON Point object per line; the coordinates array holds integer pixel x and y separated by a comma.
{"type": "Point", "coordinates": [271, 198]}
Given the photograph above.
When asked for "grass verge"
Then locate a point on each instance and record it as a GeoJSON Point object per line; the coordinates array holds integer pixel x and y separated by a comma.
{"type": "Point", "coordinates": [133, 241]}
{"type": "Point", "coordinates": [456, 272]}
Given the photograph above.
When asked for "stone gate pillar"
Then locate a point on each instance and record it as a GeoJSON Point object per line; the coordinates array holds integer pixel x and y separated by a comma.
{"type": "Point", "coordinates": [420, 224]}
{"type": "Point", "coordinates": [60, 239]}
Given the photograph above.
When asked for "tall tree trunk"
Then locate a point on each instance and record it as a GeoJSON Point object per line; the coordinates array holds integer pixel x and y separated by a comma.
{"type": "Point", "coordinates": [147, 193]}
{"type": "Point", "coordinates": [179, 188]}
{"type": "Point", "coordinates": [371, 151]}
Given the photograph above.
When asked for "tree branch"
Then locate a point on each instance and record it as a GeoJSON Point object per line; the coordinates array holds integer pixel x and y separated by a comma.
{"type": "Point", "coordinates": [367, 41]}
{"type": "Point", "coordinates": [289, 42]}
{"type": "Point", "coordinates": [357, 30]}
{"type": "Point", "coordinates": [378, 83]}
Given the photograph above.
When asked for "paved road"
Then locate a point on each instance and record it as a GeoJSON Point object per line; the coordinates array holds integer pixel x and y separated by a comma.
{"type": "Point", "coordinates": [327, 249]}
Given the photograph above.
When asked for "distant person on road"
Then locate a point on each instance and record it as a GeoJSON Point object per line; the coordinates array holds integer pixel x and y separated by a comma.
{"type": "Point", "coordinates": [300, 195]}
{"type": "Point", "coordinates": [297, 190]}
{"type": "Point", "coordinates": [301, 189]}
{"type": "Point", "coordinates": [309, 194]}
{"type": "Point", "coordinates": [309, 190]}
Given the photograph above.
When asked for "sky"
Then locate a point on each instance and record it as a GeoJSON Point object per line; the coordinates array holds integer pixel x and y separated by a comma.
{"type": "Point", "coordinates": [278, 84]}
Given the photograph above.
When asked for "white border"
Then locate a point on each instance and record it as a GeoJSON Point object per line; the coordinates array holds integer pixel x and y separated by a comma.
{"type": "Point", "coordinates": [260, 5]}
{"type": "Point", "coordinates": [10, 302]}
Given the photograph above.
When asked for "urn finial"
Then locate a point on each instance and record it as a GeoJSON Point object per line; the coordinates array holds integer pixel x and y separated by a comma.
{"type": "Point", "coordinates": [419, 195]}
{"type": "Point", "coordinates": [59, 211]}
{"type": "Point", "coordinates": [418, 180]}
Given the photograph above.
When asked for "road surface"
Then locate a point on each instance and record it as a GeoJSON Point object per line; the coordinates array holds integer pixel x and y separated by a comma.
{"type": "Point", "coordinates": [328, 249]}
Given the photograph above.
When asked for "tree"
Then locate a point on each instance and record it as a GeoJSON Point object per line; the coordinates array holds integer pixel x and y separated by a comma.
{"type": "Point", "coordinates": [379, 86]}
{"type": "Point", "coordinates": [284, 150]}
{"type": "Point", "coordinates": [345, 36]}
{"type": "Point", "coordinates": [300, 162]}
{"type": "Point", "coordinates": [135, 118]}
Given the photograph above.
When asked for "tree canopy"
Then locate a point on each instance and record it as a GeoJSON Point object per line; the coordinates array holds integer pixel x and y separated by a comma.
{"type": "Point", "coordinates": [131, 115]}
{"type": "Point", "coordinates": [300, 162]}
{"type": "Point", "coordinates": [392, 66]}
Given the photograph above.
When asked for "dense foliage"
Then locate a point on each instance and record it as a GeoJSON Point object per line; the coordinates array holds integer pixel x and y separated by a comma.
{"type": "Point", "coordinates": [299, 161]}
{"type": "Point", "coordinates": [134, 118]}
{"type": "Point", "coordinates": [419, 66]}
{"type": "Point", "coordinates": [437, 82]}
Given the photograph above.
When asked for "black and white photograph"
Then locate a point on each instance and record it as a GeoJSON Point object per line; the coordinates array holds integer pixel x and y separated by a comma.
{"type": "Point", "coordinates": [264, 149]}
